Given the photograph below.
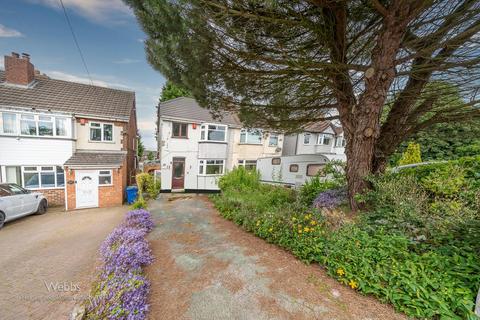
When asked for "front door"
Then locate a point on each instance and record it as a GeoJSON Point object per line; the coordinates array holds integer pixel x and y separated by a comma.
{"type": "Point", "coordinates": [86, 188]}
{"type": "Point", "coordinates": [178, 173]}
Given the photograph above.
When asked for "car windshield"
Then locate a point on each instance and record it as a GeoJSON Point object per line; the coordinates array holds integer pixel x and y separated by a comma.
{"type": "Point", "coordinates": [15, 189]}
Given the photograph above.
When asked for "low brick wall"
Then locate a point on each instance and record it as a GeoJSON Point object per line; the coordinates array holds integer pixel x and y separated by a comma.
{"type": "Point", "coordinates": [55, 197]}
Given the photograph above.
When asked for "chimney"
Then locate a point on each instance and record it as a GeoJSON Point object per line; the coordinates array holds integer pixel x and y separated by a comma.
{"type": "Point", "coordinates": [19, 70]}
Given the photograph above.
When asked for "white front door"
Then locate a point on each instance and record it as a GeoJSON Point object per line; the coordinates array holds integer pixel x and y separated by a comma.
{"type": "Point", "coordinates": [86, 188]}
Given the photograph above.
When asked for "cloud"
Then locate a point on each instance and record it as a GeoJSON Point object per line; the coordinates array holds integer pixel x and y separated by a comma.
{"type": "Point", "coordinates": [99, 11]}
{"type": "Point", "coordinates": [9, 33]}
{"type": "Point", "coordinates": [60, 75]}
{"type": "Point", "coordinates": [127, 61]}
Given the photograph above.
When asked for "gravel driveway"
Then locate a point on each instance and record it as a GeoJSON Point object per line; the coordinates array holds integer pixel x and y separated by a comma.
{"type": "Point", "coordinates": [48, 261]}
{"type": "Point", "coordinates": [208, 268]}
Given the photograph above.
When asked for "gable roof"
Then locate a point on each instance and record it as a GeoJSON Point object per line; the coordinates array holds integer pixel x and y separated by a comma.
{"type": "Point", "coordinates": [319, 127]}
{"type": "Point", "coordinates": [69, 97]}
{"type": "Point", "coordinates": [188, 109]}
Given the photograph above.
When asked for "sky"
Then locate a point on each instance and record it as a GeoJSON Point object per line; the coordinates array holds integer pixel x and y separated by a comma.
{"type": "Point", "coordinates": [109, 37]}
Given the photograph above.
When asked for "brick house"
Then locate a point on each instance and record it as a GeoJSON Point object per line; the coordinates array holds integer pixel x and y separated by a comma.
{"type": "Point", "coordinates": [73, 142]}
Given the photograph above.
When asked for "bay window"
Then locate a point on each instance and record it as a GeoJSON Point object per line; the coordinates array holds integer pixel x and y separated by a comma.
{"type": "Point", "coordinates": [101, 132]}
{"type": "Point", "coordinates": [33, 125]}
{"type": "Point", "coordinates": [251, 136]}
{"type": "Point", "coordinates": [213, 132]}
{"type": "Point", "coordinates": [43, 177]}
{"type": "Point", "coordinates": [340, 142]}
{"type": "Point", "coordinates": [211, 167]}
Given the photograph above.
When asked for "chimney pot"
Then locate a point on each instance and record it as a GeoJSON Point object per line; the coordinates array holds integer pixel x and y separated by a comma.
{"type": "Point", "coordinates": [16, 55]}
{"type": "Point", "coordinates": [26, 55]}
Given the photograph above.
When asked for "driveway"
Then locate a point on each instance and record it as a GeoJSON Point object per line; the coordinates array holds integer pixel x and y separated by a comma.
{"type": "Point", "coordinates": [48, 262]}
{"type": "Point", "coordinates": [208, 268]}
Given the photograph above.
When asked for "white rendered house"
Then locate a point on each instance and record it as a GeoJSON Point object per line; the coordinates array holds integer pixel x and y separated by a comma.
{"type": "Point", "coordinates": [195, 149]}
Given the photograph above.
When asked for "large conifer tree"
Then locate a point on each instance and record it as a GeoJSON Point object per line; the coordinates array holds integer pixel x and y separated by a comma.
{"type": "Point", "coordinates": [287, 63]}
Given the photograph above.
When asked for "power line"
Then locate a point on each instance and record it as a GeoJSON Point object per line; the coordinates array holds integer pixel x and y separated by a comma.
{"type": "Point", "coordinates": [76, 41]}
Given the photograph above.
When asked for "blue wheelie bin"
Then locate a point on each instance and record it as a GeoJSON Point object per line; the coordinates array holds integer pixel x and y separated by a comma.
{"type": "Point", "coordinates": [132, 193]}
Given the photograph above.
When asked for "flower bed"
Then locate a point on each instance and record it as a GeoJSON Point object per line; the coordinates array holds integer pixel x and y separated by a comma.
{"type": "Point", "coordinates": [435, 276]}
{"type": "Point", "coordinates": [121, 290]}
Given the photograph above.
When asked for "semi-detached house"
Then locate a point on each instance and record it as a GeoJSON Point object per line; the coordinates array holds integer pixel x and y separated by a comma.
{"type": "Point", "coordinates": [73, 142]}
{"type": "Point", "coordinates": [195, 149]}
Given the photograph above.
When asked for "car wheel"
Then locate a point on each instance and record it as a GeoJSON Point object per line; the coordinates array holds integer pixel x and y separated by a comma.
{"type": "Point", "coordinates": [2, 219]}
{"type": "Point", "coordinates": [42, 207]}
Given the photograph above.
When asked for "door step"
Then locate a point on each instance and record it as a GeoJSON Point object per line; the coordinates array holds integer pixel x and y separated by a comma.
{"type": "Point", "coordinates": [178, 190]}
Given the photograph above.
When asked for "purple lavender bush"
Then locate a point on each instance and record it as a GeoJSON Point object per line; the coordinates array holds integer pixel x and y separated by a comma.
{"type": "Point", "coordinates": [122, 289]}
{"type": "Point", "coordinates": [139, 218]}
{"type": "Point", "coordinates": [125, 249]}
{"type": "Point", "coordinates": [122, 297]}
{"type": "Point", "coordinates": [330, 199]}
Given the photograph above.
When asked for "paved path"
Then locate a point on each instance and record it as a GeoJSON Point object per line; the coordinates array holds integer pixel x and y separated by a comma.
{"type": "Point", "coordinates": [56, 249]}
{"type": "Point", "coordinates": [208, 268]}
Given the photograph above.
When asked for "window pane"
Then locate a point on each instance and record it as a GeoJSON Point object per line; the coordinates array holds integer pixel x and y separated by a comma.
{"type": "Point", "coordinates": [31, 179]}
{"type": "Point", "coordinates": [47, 169]}
{"type": "Point", "coordinates": [216, 135]}
{"type": "Point", "coordinates": [214, 169]}
{"type": "Point", "coordinates": [30, 168]}
{"type": "Point", "coordinates": [273, 142]}
{"type": "Point", "coordinates": [105, 180]}
{"type": "Point", "coordinates": [104, 172]}
{"type": "Point", "coordinates": [95, 124]}
{"type": "Point", "coordinates": [306, 138]}
{"type": "Point", "coordinates": [15, 189]}
{"type": "Point", "coordinates": [28, 125]}
{"type": "Point", "coordinates": [314, 169]}
{"type": "Point", "coordinates": [184, 128]}
{"type": "Point", "coordinates": [45, 128]}
{"type": "Point", "coordinates": [95, 134]}
{"type": "Point", "coordinates": [243, 137]}
{"type": "Point", "coordinates": [14, 175]}
{"type": "Point", "coordinates": [326, 139]}
{"type": "Point", "coordinates": [47, 179]}
{"type": "Point", "coordinates": [9, 122]}
{"type": "Point", "coordinates": [276, 161]}
{"type": "Point", "coordinates": [107, 132]}
{"type": "Point", "coordinates": [61, 127]}
{"type": "Point", "coordinates": [294, 168]}
{"type": "Point", "coordinates": [60, 177]}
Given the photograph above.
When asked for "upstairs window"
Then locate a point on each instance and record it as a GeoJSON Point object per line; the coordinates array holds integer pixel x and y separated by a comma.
{"type": "Point", "coordinates": [251, 136]}
{"type": "Point", "coordinates": [61, 127]}
{"type": "Point", "coordinates": [213, 132]}
{"type": "Point", "coordinates": [9, 123]}
{"type": "Point", "coordinates": [273, 140]}
{"type": "Point", "coordinates": [45, 126]}
{"type": "Point", "coordinates": [324, 138]}
{"type": "Point", "coordinates": [101, 131]}
{"type": "Point", "coordinates": [306, 138]}
{"type": "Point", "coordinates": [340, 142]}
{"type": "Point", "coordinates": [28, 126]}
{"type": "Point", "coordinates": [179, 130]}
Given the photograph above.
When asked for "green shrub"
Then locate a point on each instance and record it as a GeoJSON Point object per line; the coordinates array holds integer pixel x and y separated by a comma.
{"type": "Point", "coordinates": [411, 155]}
{"type": "Point", "coordinates": [146, 183]}
{"type": "Point", "coordinates": [447, 180]}
{"type": "Point", "coordinates": [140, 203]}
{"type": "Point", "coordinates": [331, 177]}
{"type": "Point", "coordinates": [240, 178]}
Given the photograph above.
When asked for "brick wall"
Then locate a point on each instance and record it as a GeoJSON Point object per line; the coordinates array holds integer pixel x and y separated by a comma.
{"type": "Point", "coordinates": [55, 197]}
{"type": "Point", "coordinates": [110, 196]}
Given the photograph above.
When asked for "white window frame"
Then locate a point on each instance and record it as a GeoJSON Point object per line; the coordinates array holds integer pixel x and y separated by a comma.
{"type": "Point", "coordinates": [36, 119]}
{"type": "Point", "coordinates": [270, 139]}
{"type": "Point", "coordinates": [110, 174]}
{"type": "Point", "coordinates": [249, 132]}
{"type": "Point", "coordinates": [102, 131]}
{"type": "Point", "coordinates": [202, 167]}
{"type": "Point", "coordinates": [243, 162]}
{"type": "Point", "coordinates": [204, 128]}
{"type": "Point", "coordinates": [342, 143]}
{"type": "Point", "coordinates": [38, 170]}
{"type": "Point", "coordinates": [321, 139]}
{"type": "Point", "coordinates": [305, 135]}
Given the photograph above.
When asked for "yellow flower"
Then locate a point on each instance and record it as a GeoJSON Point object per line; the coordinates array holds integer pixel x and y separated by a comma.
{"type": "Point", "coordinates": [293, 219]}
{"type": "Point", "coordinates": [270, 230]}
{"type": "Point", "coordinates": [353, 284]}
{"type": "Point", "coordinates": [258, 223]}
{"type": "Point", "coordinates": [306, 229]}
{"type": "Point", "coordinates": [313, 222]}
{"type": "Point", "coordinates": [340, 272]}
{"type": "Point", "coordinates": [299, 231]}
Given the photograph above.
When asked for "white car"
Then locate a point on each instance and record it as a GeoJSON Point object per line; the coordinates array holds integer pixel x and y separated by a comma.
{"type": "Point", "coordinates": [16, 202]}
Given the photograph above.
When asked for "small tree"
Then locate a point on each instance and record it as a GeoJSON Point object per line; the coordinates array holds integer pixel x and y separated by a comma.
{"type": "Point", "coordinates": [172, 91]}
{"type": "Point", "coordinates": [150, 156]}
{"type": "Point", "coordinates": [411, 155]}
{"type": "Point", "coordinates": [140, 147]}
